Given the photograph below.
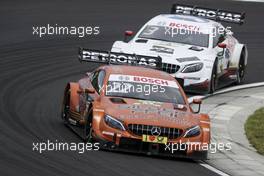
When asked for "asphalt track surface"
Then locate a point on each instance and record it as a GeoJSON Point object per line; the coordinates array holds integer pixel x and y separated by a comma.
{"type": "Point", "coordinates": [35, 70]}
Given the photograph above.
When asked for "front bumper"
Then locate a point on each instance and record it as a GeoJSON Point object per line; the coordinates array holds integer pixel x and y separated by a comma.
{"type": "Point", "coordinates": [134, 145]}
{"type": "Point", "coordinates": [202, 87]}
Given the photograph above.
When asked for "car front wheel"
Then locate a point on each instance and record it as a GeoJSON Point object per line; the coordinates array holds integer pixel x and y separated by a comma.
{"type": "Point", "coordinates": [88, 126]}
{"type": "Point", "coordinates": [65, 114]}
{"type": "Point", "coordinates": [213, 82]}
{"type": "Point", "coordinates": [241, 69]}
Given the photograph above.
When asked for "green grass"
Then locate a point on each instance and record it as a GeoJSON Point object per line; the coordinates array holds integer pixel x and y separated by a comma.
{"type": "Point", "coordinates": [255, 130]}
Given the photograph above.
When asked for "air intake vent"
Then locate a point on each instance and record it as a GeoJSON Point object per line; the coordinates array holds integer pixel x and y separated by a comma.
{"type": "Point", "coordinates": [118, 100]}
{"type": "Point", "coordinates": [170, 68]}
{"type": "Point", "coordinates": [141, 41]}
{"type": "Point", "coordinates": [139, 130]}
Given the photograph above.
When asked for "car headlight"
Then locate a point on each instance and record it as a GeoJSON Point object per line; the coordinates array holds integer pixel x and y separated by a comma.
{"type": "Point", "coordinates": [193, 131]}
{"type": "Point", "coordinates": [114, 123]}
{"type": "Point", "coordinates": [193, 67]}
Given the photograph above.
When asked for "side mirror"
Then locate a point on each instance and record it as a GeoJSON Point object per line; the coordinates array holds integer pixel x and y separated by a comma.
{"type": "Point", "coordinates": [197, 101]}
{"type": "Point", "coordinates": [221, 45]}
{"type": "Point", "coordinates": [128, 34]}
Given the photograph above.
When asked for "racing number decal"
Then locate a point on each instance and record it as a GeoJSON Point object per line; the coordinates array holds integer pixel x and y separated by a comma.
{"type": "Point", "coordinates": [150, 30]}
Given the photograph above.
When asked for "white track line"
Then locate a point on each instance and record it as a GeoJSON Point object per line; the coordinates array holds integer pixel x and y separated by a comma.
{"type": "Point", "coordinates": [211, 168]}
{"type": "Point", "coordinates": [226, 90]}
{"type": "Point", "coordinates": [244, 86]}
{"type": "Point", "coordinates": [250, 0]}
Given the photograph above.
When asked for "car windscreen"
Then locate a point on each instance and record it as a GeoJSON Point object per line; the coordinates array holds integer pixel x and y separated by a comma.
{"type": "Point", "coordinates": [144, 88]}
{"type": "Point", "coordinates": [175, 35]}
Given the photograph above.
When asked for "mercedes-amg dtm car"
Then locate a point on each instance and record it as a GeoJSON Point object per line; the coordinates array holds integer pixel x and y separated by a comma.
{"type": "Point", "coordinates": [195, 47]}
{"type": "Point", "coordinates": [113, 106]}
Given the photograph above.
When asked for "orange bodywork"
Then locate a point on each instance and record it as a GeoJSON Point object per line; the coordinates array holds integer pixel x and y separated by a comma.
{"type": "Point", "coordinates": [134, 113]}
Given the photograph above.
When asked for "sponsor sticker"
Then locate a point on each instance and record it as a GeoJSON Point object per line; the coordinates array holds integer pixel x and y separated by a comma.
{"type": "Point", "coordinates": [122, 58]}
{"type": "Point", "coordinates": [141, 79]}
{"type": "Point", "coordinates": [154, 139]}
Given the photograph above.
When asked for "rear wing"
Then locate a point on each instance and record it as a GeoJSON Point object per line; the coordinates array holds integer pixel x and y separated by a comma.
{"type": "Point", "coordinates": [212, 14]}
{"type": "Point", "coordinates": [97, 56]}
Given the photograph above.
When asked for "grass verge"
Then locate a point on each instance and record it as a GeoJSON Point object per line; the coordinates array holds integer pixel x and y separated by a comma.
{"type": "Point", "coordinates": [254, 128]}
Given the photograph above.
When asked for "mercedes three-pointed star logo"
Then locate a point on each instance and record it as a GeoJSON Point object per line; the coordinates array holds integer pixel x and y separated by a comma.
{"type": "Point", "coordinates": [155, 131]}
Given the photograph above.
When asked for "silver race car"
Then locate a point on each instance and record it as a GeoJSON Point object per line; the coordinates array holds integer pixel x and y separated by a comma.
{"type": "Point", "coordinates": [201, 53]}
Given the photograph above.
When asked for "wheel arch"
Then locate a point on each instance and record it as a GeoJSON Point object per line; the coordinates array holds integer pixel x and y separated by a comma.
{"type": "Point", "coordinates": [74, 97]}
{"type": "Point", "coordinates": [237, 55]}
{"type": "Point", "coordinates": [206, 127]}
{"type": "Point", "coordinates": [214, 68]}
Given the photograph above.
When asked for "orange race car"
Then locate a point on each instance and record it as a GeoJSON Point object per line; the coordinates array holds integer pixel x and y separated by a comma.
{"type": "Point", "coordinates": [134, 108]}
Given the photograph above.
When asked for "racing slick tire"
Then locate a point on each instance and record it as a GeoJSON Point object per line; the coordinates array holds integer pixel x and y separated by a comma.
{"type": "Point", "coordinates": [241, 68]}
{"type": "Point", "coordinates": [203, 155]}
{"type": "Point", "coordinates": [65, 114]}
{"type": "Point", "coordinates": [88, 126]}
{"type": "Point", "coordinates": [213, 82]}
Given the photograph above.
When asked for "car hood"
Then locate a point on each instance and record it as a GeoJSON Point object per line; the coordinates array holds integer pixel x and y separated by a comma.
{"type": "Point", "coordinates": [169, 51]}
{"type": "Point", "coordinates": [131, 111]}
